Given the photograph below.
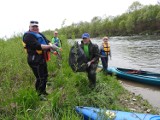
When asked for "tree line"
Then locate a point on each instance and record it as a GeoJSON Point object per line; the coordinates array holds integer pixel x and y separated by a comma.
{"type": "Point", "coordinates": [137, 20]}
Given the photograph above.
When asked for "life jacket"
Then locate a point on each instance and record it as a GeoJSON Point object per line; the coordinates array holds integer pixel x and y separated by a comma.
{"type": "Point", "coordinates": [41, 40]}
{"type": "Point", "coordinates": [56, 41]}
{"type": "Point", "coordinates": [106, 48]}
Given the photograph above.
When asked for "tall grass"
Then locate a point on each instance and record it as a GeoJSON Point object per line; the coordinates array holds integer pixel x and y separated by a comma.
{"type": "Point", "coordinates": [67, 89]}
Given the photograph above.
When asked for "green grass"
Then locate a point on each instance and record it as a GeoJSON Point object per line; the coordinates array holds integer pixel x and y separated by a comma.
{"type": "Point", "coordinates": [67, 89]}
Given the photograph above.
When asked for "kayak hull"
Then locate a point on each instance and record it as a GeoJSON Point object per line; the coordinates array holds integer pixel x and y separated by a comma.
{"type": "Point", "coordinates": [91, 113]}
{"type": "Point", "coordinates": [136, 75]}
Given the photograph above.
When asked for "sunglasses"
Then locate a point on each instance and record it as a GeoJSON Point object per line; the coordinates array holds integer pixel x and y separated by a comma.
{"type": "Point", "coordinates": [33, 22]}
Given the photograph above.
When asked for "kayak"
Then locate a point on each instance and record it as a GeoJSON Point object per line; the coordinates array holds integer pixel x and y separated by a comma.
{"type": "Point", "coordinates": [135, 75]}
{"type": "Point", "coordinates": [91, 113]}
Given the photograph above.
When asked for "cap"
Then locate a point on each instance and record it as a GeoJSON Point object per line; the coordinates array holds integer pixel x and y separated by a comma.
{"type": "Point", "coordinates": [85, 35]}
{"type": "Point", "coordinates": [33, 23]}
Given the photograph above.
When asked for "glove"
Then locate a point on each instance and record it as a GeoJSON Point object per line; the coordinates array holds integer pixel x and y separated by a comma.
{"type": "Point", "coordinates": [89, 63]}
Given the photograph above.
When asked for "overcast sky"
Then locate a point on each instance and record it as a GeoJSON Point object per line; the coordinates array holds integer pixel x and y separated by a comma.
{"type": "Point", "coordinates": [16, 14]}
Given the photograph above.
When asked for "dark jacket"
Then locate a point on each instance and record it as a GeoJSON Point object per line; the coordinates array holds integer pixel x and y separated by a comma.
{"type": "Point", "coordinates": [32, 45]}
{"type": "Point", "coordinates": [93, 52]}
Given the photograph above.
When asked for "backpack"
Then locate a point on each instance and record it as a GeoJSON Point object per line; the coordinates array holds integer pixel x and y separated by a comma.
{"type": "Point", "coordinates": [77, 58]}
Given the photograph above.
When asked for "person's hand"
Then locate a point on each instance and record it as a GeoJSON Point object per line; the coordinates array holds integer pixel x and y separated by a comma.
{"type": "Point", "coordinates": [55, 52]}
{"type": "Point", "coordinates": [89, 63]}
{"type": "Point", "coordinates": [59, 49]}
{"type": "Point", "coordinates": [54, 47]}
{"type": "Point", "coordinates": [51, 50]}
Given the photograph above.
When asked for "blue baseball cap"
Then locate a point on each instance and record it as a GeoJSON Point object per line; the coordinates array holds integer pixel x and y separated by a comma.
{"type": "Point", "coordinates": [85, 35]}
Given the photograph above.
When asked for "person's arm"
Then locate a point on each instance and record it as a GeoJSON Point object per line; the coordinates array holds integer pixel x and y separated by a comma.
{"type": "Point", "coordinates": [96, 53]}
{"type": "Point", "coordinates": [50, 46]}
{"type": "Point", "coordinates": [33, 44]}
{"type": "Point", "coordinates": [46, 47]}
{"type": "Point", "coordinates": [110, 54]}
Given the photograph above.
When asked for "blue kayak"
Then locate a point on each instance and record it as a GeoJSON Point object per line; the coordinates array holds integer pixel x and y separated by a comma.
{"type": "Point", "coordinates": [136, 75]}
{"type": "Point", "coordinates": [91, 113]}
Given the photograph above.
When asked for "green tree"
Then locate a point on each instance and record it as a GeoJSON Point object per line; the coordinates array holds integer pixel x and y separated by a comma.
{"type": "Point", "coordinates": [95, 26]}
{"type": "Point", "coordinates": [130, 24]}
{"type": "Point", "coordinates": [135, 6]}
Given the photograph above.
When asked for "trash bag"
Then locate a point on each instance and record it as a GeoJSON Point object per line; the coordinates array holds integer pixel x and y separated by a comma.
{"type": "Point", "coordinates": [77, 58]}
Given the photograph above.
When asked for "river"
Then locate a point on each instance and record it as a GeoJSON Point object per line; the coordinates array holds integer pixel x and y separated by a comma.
{"type": "Point", "coordinates": [137, 52]}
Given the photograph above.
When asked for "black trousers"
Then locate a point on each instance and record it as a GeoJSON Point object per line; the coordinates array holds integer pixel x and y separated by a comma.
{"type": "Point", "coordinates": [91, 71]}
{"type": "Point", "coordinates": [41, 73]}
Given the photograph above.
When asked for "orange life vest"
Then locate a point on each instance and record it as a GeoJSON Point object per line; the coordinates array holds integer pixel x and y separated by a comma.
{"type": "Point", "coordinates": [106, 48]}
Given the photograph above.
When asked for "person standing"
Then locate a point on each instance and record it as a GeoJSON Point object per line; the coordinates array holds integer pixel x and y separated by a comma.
{"type": "Point", "coordinates": [56, 41]}
{"type": "Point", "coordinates": [37, 48]}
{"type": "Point", "coordinates": [92, 53]}
{"type": "Point", "coordinates": [105, 52]}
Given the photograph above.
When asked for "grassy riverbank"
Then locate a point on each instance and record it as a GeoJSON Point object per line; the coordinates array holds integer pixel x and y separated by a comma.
{"type": "Point", "coordinates": [19, 100]}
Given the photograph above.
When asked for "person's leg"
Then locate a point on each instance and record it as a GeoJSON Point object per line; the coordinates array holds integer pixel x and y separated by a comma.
{"type": "Point", "coordinates": [92, 75]}
{"type": "Point", "coordinates": [106, 62]}
{"type": "Point", "coordinates": [45, 75]}
{"type": "Point", "coordinates": [41, 74]}
{"type": "Point", "coordinates": [103, 59]}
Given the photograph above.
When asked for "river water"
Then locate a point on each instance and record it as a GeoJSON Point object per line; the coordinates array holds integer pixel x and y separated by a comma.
{"type": "Point", "coordinates": [141, 53]}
